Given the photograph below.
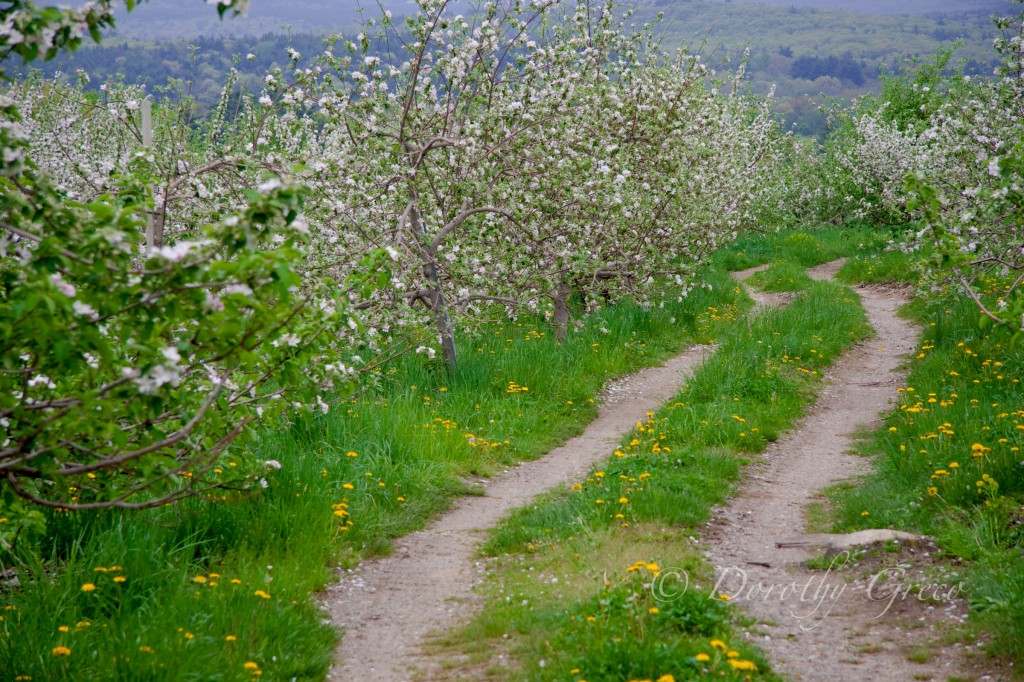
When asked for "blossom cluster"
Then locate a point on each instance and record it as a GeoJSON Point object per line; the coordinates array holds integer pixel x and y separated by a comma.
{"type": "Point", "coordinates": [166, 288]}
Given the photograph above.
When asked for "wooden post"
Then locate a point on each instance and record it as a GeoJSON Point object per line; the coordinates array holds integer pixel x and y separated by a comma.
{"type": "Point", "coordinates": [147, 141]}
{"type": "Point", "coordinates": [561, 299]}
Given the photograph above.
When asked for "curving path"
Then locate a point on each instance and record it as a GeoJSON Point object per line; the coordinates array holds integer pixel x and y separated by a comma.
{"type": "Point", "coordinates": [387, 606]}
{"type": "Point", "coordinates": [824, 627]}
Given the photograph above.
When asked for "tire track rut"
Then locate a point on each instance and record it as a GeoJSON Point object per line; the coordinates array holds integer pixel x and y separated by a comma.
{"type": "Point", "coordinates": [824, 627]}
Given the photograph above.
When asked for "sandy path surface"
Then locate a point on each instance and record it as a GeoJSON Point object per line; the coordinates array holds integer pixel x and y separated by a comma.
{"type": "Point", "coordinates": [387, 606]}
{"type": "Point", "coordinates": [828, 626]}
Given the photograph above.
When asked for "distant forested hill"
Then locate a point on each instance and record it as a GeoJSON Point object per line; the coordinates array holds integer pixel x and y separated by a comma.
{"type": "Point", "coordinates": [903, 7]}
{"type": "Point", "coordinates": [173, 19]}
{"type": "Point", "coordinates": [805, 48]}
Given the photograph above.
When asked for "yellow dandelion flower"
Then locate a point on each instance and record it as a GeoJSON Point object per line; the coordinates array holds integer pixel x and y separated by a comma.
{"type": "Point", "coordinates": [199, 579]}
{"type": "Point", "coordinates": [261, 594]}
{"type": "Point", "coordinates": [119, 578]}
{"type": "Point", "coordinates": [60, 651]}
{"type": "Point", "coordinates": [230, 638]}
{"type": "Point", "coordinates": [88, 587]}
{"type": "Point", "coordinates": [251, 665]}
{"type": "Point", "coordinates": [718, 644]}
{"type": "Point", "coordinates": [653, 610]}
{"type": "Point", "coordinates": [703, 658]}
{"type": "Point", "coordinates": [146, 649]}
{"type": "Point", "coordinates": [63, 628]}
{"type": "Point", "coordinates": [666, 678]}
{"type": "Point", "coordinates": [732, 654]}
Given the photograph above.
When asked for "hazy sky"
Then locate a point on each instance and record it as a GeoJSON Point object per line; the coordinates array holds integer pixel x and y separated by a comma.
{"type": "Point", "coordinates": [191, 18]}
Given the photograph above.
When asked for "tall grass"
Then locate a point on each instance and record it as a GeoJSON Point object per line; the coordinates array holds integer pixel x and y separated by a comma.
{"type": "Point", "coordinates": [803, 247]}
{"type": "Point", "coordinates": [781, 276]}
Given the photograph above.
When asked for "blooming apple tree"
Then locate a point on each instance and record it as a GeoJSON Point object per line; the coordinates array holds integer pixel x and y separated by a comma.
{"type": "Point", "coordinates": [518, 157]}
{"type": "Point", "coordinates": [129, 372]}
{"type": "Point", "coordinates": [425, 177]}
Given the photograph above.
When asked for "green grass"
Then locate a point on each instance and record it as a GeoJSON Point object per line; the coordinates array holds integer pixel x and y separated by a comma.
{"type": "Point", "coordinates": [802, 247]}
{"type": "Point", "coordinates": [882, 267]}
{"type": "Point", "coordinates": [211, 586]}
{"type": "Point", "coordinates": [568, 598]}
{"type": "Point", "coordinates": [377, 466]}
{"type": "Point", "coordinates": [781, 277]}
{"type": "Point", "coordinates": [948, 463]}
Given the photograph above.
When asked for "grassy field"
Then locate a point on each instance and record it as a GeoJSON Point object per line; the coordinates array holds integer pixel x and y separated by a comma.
{"type": "Point", "coordinates": [219, 590]}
